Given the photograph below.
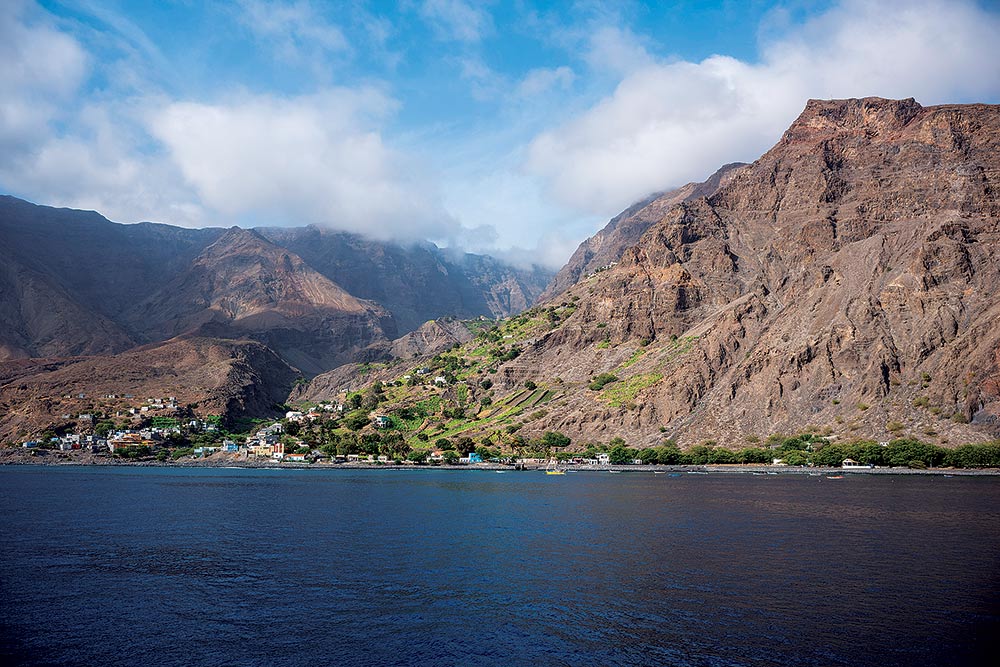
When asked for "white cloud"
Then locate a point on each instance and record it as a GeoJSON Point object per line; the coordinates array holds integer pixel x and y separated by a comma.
{"type": "Point", "coordinates": [297, 31]}
{"type": "Point", "coordinates": [42, 69]}
{"type": "Point", "coordinates": [669, 123]}
{"type": "Point", "coordinates": [542, 80]}
{"type": "Point", "coordinates": [312, 159]}
{"type": "Point", "coordinates": [559, 151]}
{"type": "Point", "coordinates": [457, 20]}
{"type": "Point", "coordinates": [616, 49]}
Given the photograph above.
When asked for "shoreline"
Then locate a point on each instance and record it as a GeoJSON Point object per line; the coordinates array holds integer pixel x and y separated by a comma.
{"type": "Point", "coordinates": [734, 469]}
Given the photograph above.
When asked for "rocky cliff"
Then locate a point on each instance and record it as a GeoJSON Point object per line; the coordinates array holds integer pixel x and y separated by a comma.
{"type": "Point", "coordinates": [624, 230]}
{"type": "Point", "coordinates": [847, 279]}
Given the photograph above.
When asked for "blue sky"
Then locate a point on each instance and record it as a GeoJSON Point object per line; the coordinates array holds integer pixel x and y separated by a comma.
{"type": "Point", "coordinates": [515, 128]}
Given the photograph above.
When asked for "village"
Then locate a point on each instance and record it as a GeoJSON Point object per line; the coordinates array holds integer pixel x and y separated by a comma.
{"type": "Point", "coordinates": [195, 439]}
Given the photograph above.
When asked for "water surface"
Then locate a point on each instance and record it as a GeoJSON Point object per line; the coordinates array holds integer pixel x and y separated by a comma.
{"type": "Point", "coordinates": [167, 566]}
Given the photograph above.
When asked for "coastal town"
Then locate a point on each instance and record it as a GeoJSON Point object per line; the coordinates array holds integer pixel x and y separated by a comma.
{"type": "Point", "coordinates": [163, 437]}
{"type": "Point", "coordinates": [341, 433]}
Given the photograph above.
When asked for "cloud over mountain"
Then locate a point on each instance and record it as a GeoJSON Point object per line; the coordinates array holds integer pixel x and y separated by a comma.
{"type": "Point", "coordinates": [673, 121]}
{"type": "Point", "coordinates": [495, 126]}
{"type": "Point", "coordinates": [316, 159]}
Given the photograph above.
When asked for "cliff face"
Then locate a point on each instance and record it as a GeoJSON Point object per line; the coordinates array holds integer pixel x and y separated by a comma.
{"type": "Point", "coordinates": [847, 279]}
{"type": "Point", "coordinates": [625, 229]}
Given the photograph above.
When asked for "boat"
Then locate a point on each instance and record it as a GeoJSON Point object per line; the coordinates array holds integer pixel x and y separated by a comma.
{"type": "Point", "coordinates": [835, 477]}
{"type": "Point", "coordinates": [851, 464]}
{"type": "Point", "coordinates": [554, 470]}
{"type": "Point", "coordinates": [614, 472]}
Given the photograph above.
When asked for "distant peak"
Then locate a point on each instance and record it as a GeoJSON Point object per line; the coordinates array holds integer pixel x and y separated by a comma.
{"type": "Point", "coordinates": [866, 114]}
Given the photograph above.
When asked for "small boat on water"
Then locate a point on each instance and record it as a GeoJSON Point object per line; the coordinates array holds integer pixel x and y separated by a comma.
{"type": "Point", "coordinates": [835, 477]}
{"type": "Point", "coordinates": [554, 469]}
{"type": "Point", "coordinates": [614, 472]}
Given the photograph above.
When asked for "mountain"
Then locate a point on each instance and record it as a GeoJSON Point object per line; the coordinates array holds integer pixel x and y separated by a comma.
{"type": "Point", "coordinates": [415, 282]}
{"type": "Point", "coordinates": [85, 303]}
{"type": "Point", "coordinates": [846, 282]}
{"type": "Point", "coordinates": [75, 283]}
{"type": "Point", "coordinates": [624, 230]}
{"type": "Point", "coordinates": [233, 379]}
{"type": "Point", "coordinates": [67, 276]}
{"type": "Point", "coordinates": [244, 286]}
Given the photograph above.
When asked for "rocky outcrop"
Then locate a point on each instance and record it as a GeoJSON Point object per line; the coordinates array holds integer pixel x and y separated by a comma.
{"type": "Point", "coordinates": [624, 230]}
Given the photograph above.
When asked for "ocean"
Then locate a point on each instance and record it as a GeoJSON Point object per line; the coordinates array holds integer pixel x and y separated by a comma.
{"type": "Point", "coordinates": [171, 566]}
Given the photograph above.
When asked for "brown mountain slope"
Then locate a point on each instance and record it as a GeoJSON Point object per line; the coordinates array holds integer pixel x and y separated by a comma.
{"type": "Point", "coordinates": [244, 286]}
{"type": "Point", "coordinates": [232, 379]}
{"type": "Point", "coordinates": [66, 276]}
{"type": "Point", "coordinates": [846, 279]}
{"type": "Point", "coordinates": [433, 337]}
{"type": "Point", "coordinates": [71, 282]}
{"type": "Point", "coordinates": [846, 282]}
{"type": "Point", "coordinates": [39, 318]}
{"type": "Point", "coordinates": [625, 229]}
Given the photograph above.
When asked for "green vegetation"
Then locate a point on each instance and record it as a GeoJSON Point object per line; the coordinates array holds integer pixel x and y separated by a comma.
{"type": "Point", "coordinates": [624, 393]}
{"type": "Point", "coordinates": [600, 381]}
{"type": "Point", "coordinates": [678, 347]}
{"type": "Point", "coordinates": [634, 358]}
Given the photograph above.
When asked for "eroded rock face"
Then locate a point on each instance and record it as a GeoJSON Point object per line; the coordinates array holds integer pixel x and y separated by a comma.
{"type": "Point", "coordinates": [624, 230]}
{"type": "Point", "coordinates": [848, 279]}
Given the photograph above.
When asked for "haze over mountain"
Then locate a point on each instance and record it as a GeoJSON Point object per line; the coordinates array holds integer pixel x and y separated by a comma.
{"type": "Point", "coordinates": [78, 283]}
{"type": "Point", "coordinates": [847, 280]}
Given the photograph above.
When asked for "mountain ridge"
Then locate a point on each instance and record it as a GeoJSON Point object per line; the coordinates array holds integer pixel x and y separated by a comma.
{"type": "Point", "coordinates": [102, 270]}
